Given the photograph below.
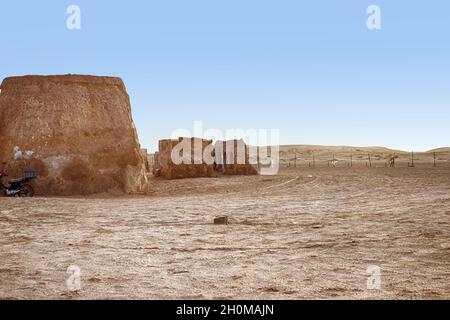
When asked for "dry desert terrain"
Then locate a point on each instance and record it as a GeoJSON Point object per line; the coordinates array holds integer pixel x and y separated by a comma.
{"type": "Point", "coordinates": [307, 233]}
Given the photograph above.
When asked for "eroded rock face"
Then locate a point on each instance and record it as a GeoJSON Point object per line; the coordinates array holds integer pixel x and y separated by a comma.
{"type": "Point", "coordinates": [75, 131]}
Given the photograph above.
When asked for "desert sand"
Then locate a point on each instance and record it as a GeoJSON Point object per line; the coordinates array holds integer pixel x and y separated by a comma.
{"type": "Point", "coordinates": [307, 233]}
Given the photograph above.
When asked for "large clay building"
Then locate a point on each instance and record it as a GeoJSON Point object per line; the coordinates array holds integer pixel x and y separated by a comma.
{"type": "Point", "coordinates": [75, 131]}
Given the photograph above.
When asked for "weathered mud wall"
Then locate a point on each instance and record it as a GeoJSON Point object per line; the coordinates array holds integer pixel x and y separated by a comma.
{"type": "Point", "coordinates": [195, 167]}
{"type": "Point", "coordinates": [156, 168]}
{"type": "Point", "coordinates": [233, 158]}
{"type": "Point", "coordinates": [75, 131]}
{"type": "Point", "coordinates": [145, 157]}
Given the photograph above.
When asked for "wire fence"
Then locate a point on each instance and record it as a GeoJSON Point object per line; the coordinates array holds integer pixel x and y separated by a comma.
{"type": "Point", "coordinates": [369, 159]}
{"type": "Point", "coordinates": [342, 159]}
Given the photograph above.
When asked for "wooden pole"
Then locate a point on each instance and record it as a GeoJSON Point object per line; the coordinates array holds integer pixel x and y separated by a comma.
{"type": "Point", "coordinates": [370, 161]}
{"type": "Point", "coordinates": [434, 159]}
{"type": "Point", "coordinates": [314, 160]}
{"type": "Point", "coordinates": [351, 160]}
{"type": "Point", "coordinates": [295, 161]}
{"type": "Point", "coordinates": [257, 157]}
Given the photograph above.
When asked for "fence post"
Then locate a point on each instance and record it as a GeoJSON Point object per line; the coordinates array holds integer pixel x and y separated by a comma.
{"type": "Point", "coordinates": [434, 159]}
{"type": "Point", "coordinates": [257, 157]}
{"type": "Point", "coordinates": [314, 160]}
{"type": "Point", "coordinates": [370, 161]}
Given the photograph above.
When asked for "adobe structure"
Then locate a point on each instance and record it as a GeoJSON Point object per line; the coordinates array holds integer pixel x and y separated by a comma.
{"type": "Point", "coordinates": [191, 164]}
{"type": "Point", "coordinates": [233, 158]}
{"type": "Point", "coordinates": [228, 158]}
{"type": "Point", "coordinates": [75, 131]}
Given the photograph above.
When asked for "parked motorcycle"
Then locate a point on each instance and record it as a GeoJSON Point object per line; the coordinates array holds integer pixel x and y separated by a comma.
{"type": "Point", "coordinates": [18, 187]}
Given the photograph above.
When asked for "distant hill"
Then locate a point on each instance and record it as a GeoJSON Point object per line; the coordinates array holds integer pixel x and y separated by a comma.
{"type": "Point", "coordinates": [440, 150]}
{"type": "Point", "coordinates": [306, 153]}
{"type": "Point", "coordinates": [340, 149]}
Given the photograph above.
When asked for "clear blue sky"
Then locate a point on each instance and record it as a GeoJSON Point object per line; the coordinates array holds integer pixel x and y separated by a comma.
{"type": "Point", "coordinates": [310, 68]}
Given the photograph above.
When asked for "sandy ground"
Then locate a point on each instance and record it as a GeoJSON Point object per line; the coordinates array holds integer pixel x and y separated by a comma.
{"type": "Point", "coordinates": [305, 234]}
